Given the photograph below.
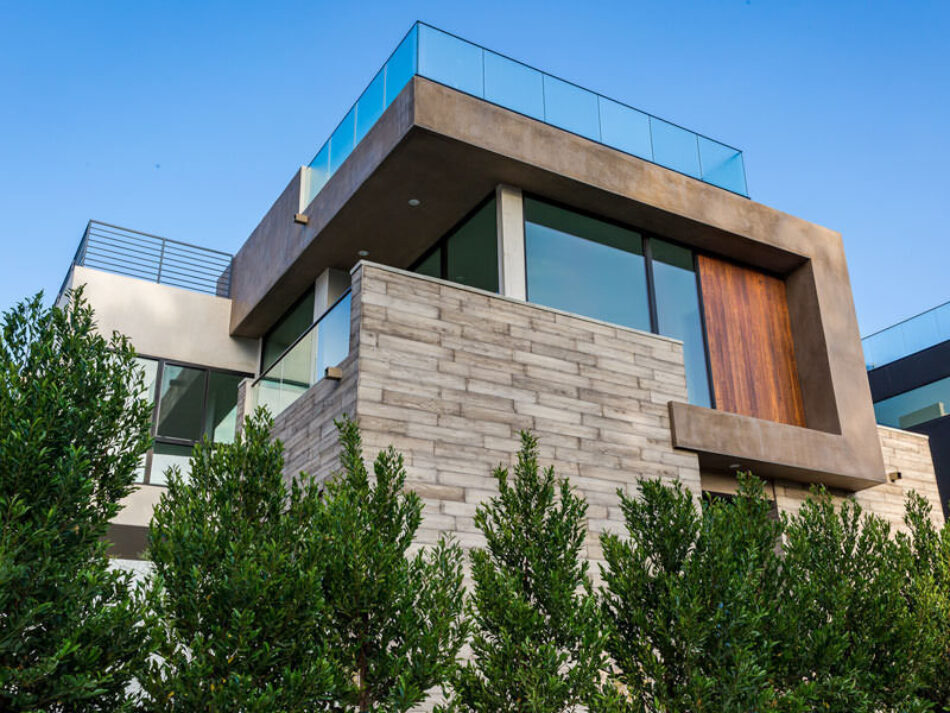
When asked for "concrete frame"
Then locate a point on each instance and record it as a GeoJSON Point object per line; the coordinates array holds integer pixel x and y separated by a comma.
{"type": "Point", "coordinates": [416, 149]}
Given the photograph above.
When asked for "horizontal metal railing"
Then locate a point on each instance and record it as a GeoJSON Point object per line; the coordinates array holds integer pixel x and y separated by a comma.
{"type": "Point", "coordinates": [151, 257]}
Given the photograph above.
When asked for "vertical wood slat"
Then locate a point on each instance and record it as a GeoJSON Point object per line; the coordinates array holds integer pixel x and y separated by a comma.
{"type": "Point", "coordinates": [751, 352]}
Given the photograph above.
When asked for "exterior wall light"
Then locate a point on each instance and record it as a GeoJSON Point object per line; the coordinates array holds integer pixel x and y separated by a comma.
{"type": "Point", "coordinates": [414, 202]}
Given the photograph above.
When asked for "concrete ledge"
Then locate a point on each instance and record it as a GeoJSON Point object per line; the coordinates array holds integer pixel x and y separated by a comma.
{"type": "Point", "coordinates": [773, 450]}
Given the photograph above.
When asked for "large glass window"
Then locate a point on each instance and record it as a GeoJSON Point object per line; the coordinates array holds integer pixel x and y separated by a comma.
{"type": "Point", "coordinates": [584, 265]}
{"type": "Point", "coordinates": [189, 403]}
{"type": "Point", "coordinates": [469, 253]}
{"type": "Point", "coordinates": [294, 323]}
{"type": "Point", "coordinates": [925, 403]}
{"type": "Point", "coordinates": [598, 269]}
{"type": "Point", "coordinates": [679, 314]}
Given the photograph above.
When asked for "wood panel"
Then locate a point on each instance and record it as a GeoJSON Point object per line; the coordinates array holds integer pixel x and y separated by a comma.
{"type": "Point", "coordinates": [751, 353]}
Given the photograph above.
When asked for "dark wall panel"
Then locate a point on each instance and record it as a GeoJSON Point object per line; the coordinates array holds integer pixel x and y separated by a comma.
{"type": "Point", "coordinates": [751, 352]}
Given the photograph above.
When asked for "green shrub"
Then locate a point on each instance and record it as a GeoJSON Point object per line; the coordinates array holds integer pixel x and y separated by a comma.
{"type": "Point", "coordinates": [72, 432]}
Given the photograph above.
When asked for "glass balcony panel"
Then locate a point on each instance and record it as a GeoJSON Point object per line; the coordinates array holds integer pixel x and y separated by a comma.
{"type": "Point", "coordinates": [401, 65]}
{"type": "Point", "coordinates": [625, 129]}
{"type": "Point", "coordinates": [341, 143]}
{"type": "Point", "coordinates": [514, 86]}
{"type": "Point", "coordinates": [370, 105]}
{"type": "Point", "coordinates": [570, 107]}
{"type": "Point", "coordinates": [920, 332]}
{"type": "Point", "coordinates": [450, 61]}
{"type": "Point", "coordinates": [675, 147]}
{"type": "Point", "coordinates": [722, 165]}
{"type": "Point", "coordinates": [326, 344]}
{"type": "Point", "coordinates": [333, 337]}
{"type": "Point", "coordinates": [319, 173]}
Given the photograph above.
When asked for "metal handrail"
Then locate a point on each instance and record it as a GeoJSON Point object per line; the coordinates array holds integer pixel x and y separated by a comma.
{"type": "Point", "coordinates": [154, 258]}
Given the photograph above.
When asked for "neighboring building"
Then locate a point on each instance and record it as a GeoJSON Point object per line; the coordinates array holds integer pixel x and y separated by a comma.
{"type": "Point", "coordinates": [909, 371]}
{"type": "Point", "coordinates": [481, 248]}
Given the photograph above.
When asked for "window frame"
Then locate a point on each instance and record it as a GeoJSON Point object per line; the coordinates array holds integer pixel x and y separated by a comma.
{"type": "Point", "coordinates": [156, 398]}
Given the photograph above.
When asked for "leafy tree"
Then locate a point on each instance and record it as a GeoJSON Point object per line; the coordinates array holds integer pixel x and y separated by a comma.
{"type": "Point", "coordinates": [850, 641]}
{"type": "Point", "coordinates": [690, 597]}
{"type": "Point", "coordinates": [239, 620]}
{"type": "Point", "coordinates": [538, 642]}
{"type": "Point", "coordinates": [398, 615]}
{"type": "Point", "coordinates": [72, 431]}
{"type": "Point", "coordinates": [929, 596]}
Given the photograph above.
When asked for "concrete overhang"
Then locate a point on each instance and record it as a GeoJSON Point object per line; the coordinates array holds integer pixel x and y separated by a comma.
{"type": "Point", "coordinates": [449, 150]}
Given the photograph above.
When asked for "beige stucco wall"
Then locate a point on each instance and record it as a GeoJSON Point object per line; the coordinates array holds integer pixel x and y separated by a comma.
{"type": "Point", "coordinates": [165, 321]}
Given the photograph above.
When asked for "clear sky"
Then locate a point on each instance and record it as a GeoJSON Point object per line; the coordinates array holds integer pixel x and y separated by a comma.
{"type": "Point", "coordinates": [187, 118]}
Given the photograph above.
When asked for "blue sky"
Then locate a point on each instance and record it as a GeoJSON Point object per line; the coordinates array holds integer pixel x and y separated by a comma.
{"type": "Point", "coordinates": [187, 119]}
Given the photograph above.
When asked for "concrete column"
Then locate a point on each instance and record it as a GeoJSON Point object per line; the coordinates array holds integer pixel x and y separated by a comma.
{"type": "Point", "coordinates": [511, 260]}
{"type": "Point", "coordinates": [330, 284]}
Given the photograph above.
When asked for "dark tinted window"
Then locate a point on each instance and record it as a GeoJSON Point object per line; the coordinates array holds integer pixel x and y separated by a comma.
{"type": "Point", "coordinates": [584, 265]}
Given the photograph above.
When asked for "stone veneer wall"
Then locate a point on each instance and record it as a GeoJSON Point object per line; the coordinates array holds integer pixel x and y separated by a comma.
{"type": "Point", "coordinates": [449, 375]}
{"type": "Point", "coordinates": [904, 452]}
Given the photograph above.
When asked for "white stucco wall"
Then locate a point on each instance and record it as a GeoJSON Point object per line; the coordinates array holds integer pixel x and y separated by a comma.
{"type": "Point", "coordinates": [168, 322]}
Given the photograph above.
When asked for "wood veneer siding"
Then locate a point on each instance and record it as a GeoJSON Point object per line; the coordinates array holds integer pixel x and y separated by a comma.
{"type": "Point", "coordinates": [751, 353]}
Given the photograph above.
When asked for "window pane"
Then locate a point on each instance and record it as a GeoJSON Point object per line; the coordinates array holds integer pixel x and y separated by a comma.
{"type": "Point", "coordinates": [513, 85]}
{"type": "Point", "coordinates": [914, 407]}
{"type": "Point", "coordinates": [166, 455]}
{"type": "Point", "coordinates": [674, 147]}
{"type": "Point", "coordinates": [294, 323]}
{"type": "Point", "coordinates": [472, 257]}
{"type": "Point", "coordinates": [221, 410]}
{"type": "Point", "coordinates": [586, 266]}
{"type": "Point", "coordinates": [571, 108]}
{"type": "Point", "coordinates": [431, 265]}
{"type": "Point", "coordinates": [180, 407]}
{"type": "Point", "coordinates": [678, 313]}
{"type": "Point", "coordinates": [149, 375]}
{"type": "Point", "coordinates": [333, 337]}
{"type": "Point", "coordinates": [450, 60]}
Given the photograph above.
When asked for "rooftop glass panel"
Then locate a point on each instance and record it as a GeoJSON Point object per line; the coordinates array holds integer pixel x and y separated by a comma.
{"type": "Point", "coordinates": [444, 58]}
{"type": "Point", "coordinates": [915, 334]}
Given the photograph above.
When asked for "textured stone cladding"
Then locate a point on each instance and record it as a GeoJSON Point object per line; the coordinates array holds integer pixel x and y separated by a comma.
{"type": "Point", "coordinates": [450, 375]}
{"type": "Point", "coordinates": [905, 453]}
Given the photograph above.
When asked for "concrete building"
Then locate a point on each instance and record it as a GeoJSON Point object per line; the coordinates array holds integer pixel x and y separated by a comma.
{"type": "Point", "coordinates": [909, 372]}
{"type": "Point", "coordinates": [481, 248]}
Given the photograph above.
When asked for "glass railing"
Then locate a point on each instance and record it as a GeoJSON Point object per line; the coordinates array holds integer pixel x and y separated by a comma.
{"type": "Point", "coordinates": [915, 334]}
{"type": "Point", "coordinates": [457, 63]}
{"type": "Point", "coordinates": [325, 343]}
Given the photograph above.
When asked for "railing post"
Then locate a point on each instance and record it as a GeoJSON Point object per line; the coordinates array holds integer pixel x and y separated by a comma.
{"type": "Point", "coordinates": [161, 260]}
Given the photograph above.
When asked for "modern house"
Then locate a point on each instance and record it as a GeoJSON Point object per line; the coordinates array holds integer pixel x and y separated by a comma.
{"type": "Point", "coordinates": [909, 371]}
{"type": "Point", "coordinates": [481, 247]}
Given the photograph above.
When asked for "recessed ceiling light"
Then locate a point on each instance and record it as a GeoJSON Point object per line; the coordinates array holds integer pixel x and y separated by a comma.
{"type": "Point", "coordinates": [363, 253]}
{"type": "Point", "coordinates": [735, 466]}
{"type": "Point", "coordinates": [414, 202]}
